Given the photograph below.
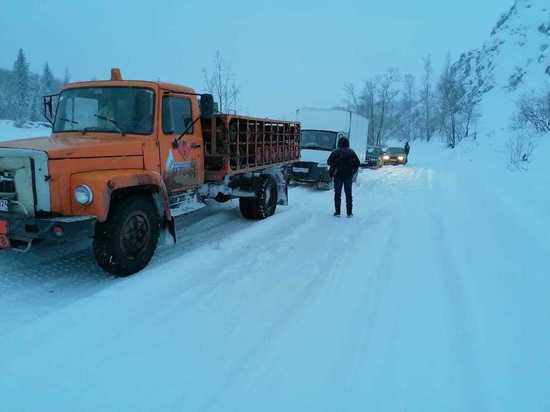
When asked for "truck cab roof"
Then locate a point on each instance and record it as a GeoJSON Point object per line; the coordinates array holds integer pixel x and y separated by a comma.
{"type": "Point", "coordinates": [131, 83]}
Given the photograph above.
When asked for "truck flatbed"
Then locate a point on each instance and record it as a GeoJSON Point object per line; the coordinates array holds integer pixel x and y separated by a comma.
{"type": "Point", "coordinates": [239, 144]}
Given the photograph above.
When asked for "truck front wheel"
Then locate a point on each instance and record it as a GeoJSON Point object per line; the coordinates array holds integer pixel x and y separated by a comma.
{"type": "Point", "coordinates": [264, 204]}
{"type": "Point", "coordinates": [126, 242]}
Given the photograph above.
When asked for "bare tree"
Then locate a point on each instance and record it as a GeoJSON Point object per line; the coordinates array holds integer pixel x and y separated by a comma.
{"type": "Point", "coordinates": [222, 83]}
{"type": "Point", "coordinates": [386, 93]}
{"type": "Point", "coordinates": [427, 99]}
{"type": "Point", "coordinates": [376, 102]}
{"type": "Point", "coordinates": [408, 109]}
{"type": "Point", "coordinates": [451, 93]}
{"type": "Point", "coordinates": [533, 113]}
{"type": "Point", "coordinates": [520, 148]}
{"type": "Point", "coordinates": [363, 103]}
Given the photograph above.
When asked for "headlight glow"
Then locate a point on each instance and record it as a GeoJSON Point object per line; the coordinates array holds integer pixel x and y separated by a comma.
{"type": "Point", "coordinates": [401, 158]}
{"type": "Point", "coordinates": [83, 195]}
{"type": "Point", "coordinates": [386, 157]}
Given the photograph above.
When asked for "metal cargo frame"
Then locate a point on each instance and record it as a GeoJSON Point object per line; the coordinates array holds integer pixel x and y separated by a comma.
{"type": "Point", "coordinates": [238, 144]}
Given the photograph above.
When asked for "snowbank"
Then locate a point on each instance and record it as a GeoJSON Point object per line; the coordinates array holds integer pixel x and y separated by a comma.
{"type": "Point", "coordinates": [9, 132]}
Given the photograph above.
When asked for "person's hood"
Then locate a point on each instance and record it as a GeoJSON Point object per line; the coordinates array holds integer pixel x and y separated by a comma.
{"type": "Point", "coordinates": [343, 143]}
{"type": "Point", "coordinates": [70, 146]}
{"type": "Point", "coordinates": [317, 156]}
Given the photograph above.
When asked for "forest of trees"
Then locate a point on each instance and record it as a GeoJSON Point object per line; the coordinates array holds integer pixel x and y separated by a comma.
{"type": "Point", "coordinates": [404, 108]}
{"type": "Point", "coordinates": [21, 90]}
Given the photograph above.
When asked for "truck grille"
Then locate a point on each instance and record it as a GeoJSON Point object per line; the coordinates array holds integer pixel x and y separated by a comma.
{"type": "Point", "coordinates": [7, 182]}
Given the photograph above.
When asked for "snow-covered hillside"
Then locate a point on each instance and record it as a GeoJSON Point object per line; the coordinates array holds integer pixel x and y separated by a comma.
{"type": "Point", "coordinates": [514, 61]}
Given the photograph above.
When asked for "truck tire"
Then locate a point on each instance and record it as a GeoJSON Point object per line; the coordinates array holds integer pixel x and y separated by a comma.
{"type": "Point", "coordinates": [264, 204]}
{"type": "Point", "coordinates": [126, 242]}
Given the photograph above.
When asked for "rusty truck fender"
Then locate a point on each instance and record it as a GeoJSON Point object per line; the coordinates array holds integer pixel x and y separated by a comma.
{"type": "Point", "coordinates": [105, 183]}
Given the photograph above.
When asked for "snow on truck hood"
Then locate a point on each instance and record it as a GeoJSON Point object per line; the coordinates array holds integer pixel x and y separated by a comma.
{"type": "Point", "coordinates": [317, 156]}
{"type": "Point", "coordinates": [79, 146]}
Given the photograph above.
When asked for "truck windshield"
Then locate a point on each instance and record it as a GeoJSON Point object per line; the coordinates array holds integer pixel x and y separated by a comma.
{"type": "Point", "coordinates": [318, 140]}
{"type": "Point", "coordinates": [105, 109]}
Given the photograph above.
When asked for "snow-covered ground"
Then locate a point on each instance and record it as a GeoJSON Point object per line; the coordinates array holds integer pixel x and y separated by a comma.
{"type": "Point", "coordinates": [9, 132]}
{"type": "Point", "coordinates": [434, 297]}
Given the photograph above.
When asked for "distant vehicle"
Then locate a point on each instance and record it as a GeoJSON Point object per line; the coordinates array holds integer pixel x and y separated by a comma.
{"type": "Point", "coordinates": [321, 129]}
{"type": "Point", "coordinates": [374, 157]}
{"type": "Point", "coordinates": [395, 156]}
{"type": "Point", "coordinates": [316, 147]}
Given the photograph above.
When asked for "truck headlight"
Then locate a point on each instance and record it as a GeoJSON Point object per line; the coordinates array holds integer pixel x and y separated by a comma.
{"type": "Point", "coordinates": [83, 195]}
{"type": "Point", "coordinates": [401, 158]}
{"type": "Point", "coordinates": [386, 157]}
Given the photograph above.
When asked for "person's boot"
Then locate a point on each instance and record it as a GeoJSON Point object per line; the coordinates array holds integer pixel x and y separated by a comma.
{"type": "Point", "coordinates": [336, 214]}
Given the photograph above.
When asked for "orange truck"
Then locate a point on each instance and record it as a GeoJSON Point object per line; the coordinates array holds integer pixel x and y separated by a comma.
{"type": "Point", "coordinates": [128, 160]}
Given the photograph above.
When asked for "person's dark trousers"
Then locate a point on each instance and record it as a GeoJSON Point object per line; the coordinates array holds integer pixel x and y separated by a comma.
{"type": "Point", "coordinates": [345, 183]}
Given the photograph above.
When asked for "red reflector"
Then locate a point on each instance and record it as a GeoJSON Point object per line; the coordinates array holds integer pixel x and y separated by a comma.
{"type": "Point", "coordinates": [4, 227]}
{"type": "Point", "coordinates": [4, 242]}
{"type": "Point", "coordinates": [58, 231]}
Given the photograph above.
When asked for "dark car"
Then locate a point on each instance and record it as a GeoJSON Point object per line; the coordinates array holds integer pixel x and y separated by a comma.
{"type": "Point", "coordinates": [374, 157]}
{"type": "Point", "coordinates": [395, 156]}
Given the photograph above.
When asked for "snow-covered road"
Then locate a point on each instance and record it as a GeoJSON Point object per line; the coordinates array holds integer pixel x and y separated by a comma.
{"type": "Point", "coordinates": [434, 297]}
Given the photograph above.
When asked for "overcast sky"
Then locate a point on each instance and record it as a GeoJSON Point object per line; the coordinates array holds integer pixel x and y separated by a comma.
{"type": "Point", "coordinates": [285, 53]}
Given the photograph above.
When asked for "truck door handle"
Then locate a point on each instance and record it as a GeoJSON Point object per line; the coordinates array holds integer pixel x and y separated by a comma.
{"type": "Point", "coordinates": [195, 146]}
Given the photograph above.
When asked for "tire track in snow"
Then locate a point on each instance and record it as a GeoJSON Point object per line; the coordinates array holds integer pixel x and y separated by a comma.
{"type": "Point", "coordinates": [463, 327]}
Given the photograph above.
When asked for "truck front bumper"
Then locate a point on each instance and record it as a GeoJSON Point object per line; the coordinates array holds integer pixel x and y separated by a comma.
{"type": "Point", "coordinates": [17, 228]}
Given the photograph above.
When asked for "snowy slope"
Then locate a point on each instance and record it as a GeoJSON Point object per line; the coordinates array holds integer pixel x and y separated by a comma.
{"type": "Point", "coordinates": [514, 61]}
{"type": "Point", "coordinates": [433, 298]}
{"type": "Point", "coordinates": [9, 132]}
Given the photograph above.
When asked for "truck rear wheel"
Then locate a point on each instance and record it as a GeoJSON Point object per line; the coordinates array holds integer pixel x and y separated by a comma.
{"type": "Point", "coordinates": [264, 204]}
{"type": "Point", "coordinates": [126, 242]}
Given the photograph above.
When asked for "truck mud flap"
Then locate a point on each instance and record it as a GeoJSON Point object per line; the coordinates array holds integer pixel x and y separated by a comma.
{"type": "Point", "coordinates": [282, 193]}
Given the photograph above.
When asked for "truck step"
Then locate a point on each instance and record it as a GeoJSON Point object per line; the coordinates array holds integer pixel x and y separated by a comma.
{"type": "Point", "coordinates": [185, 203]}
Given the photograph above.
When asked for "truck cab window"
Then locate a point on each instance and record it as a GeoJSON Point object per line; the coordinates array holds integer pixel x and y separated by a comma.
{"type": "Point", "coordinates": [176, 114]}
{"type": "Point", "coordinates": [126, 110]}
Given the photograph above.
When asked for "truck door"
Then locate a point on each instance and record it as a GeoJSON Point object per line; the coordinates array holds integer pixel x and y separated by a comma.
{"type": "Point", "coordinates": [182, 166]}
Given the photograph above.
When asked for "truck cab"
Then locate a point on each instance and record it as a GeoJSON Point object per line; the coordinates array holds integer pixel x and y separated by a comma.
{"type": "Point", "coordinates": [124, 160]}
{"type": "Point", "coordinates": [316, 147]}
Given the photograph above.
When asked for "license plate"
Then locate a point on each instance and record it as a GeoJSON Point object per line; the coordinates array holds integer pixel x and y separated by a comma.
{"type": "Point", "coordinates": [3, 205]}
{"type": "Point", "coordinates": [300, 170]}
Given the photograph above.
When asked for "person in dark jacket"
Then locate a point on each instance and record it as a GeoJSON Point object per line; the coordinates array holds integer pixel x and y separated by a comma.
{"type": "Point", "coordinates": [344, 164]}
{"type": "Point", "coordinates": [407, 148]}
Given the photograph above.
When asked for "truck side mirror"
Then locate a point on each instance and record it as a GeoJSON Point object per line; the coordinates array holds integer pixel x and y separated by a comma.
{"type": "Point", "coordinates": [48, 110]}
{"type": "Point", "coordinates": [207, 106]}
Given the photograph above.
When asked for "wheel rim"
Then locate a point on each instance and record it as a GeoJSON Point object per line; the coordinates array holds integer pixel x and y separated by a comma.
{"type": "Point", "coordinates": [135, 234]}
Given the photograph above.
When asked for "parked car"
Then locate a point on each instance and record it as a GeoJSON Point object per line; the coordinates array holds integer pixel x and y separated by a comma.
{"type": "Point", "coordinates": [395, 156]}
{"type": "Point", "coordinates": [374, 157]}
